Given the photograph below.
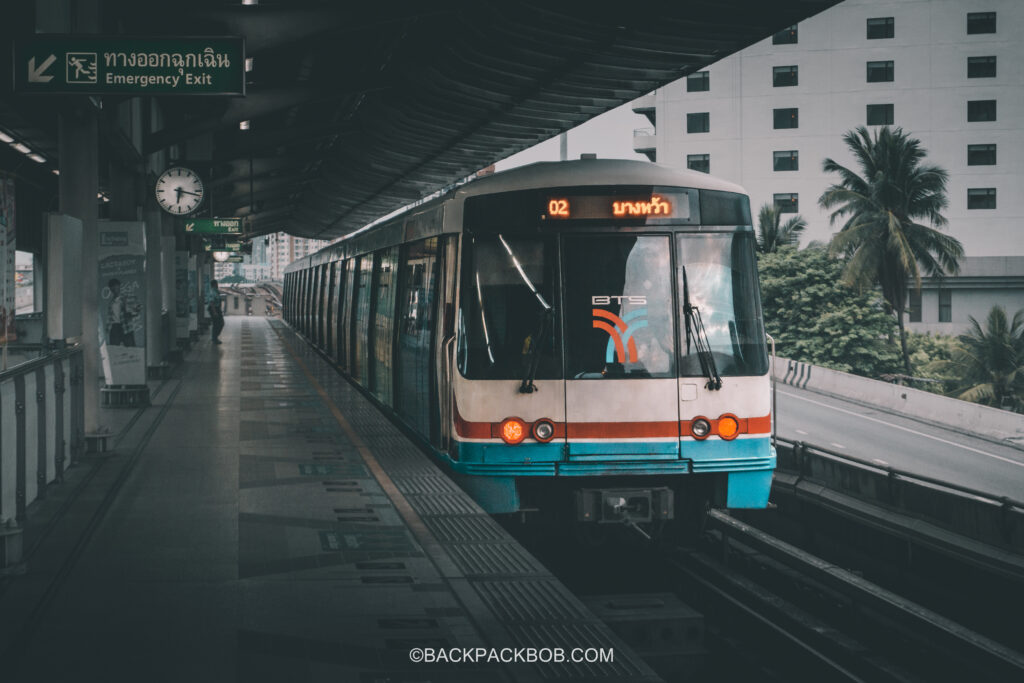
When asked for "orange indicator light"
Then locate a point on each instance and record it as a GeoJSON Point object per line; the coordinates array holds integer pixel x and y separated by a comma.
{"type": "Point", "coordinates": [728, 427]}
{"type": "Point", "coordinates": [513, 430]}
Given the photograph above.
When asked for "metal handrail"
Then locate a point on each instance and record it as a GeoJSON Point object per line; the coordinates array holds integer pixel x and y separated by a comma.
{"type": "Point", "coordinates": [41, 362]}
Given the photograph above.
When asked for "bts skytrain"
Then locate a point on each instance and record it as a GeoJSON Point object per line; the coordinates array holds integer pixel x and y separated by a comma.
{"type": "Point", "coordinates": [581, 338]}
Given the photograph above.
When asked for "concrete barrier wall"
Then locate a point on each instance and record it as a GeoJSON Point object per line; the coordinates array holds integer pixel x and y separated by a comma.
{"type": "Point", "coordinates": [971, 418]}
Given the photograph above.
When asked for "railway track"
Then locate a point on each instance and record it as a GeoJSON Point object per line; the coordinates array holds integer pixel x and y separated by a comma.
{"type": "Point", "coordinates": [803, 618]}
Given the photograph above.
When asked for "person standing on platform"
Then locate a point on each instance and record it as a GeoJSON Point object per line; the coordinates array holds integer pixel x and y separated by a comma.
{"type": "Point", "coordinates": [213, 305]}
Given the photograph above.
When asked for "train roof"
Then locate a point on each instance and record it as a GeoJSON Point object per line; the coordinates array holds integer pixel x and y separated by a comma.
{"type": "Point", "coordinates": [584, 172]}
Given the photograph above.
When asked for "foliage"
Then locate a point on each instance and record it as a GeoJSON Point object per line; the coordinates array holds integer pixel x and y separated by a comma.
{"type": "Point", "coordinates": [990, 363]}
{"type": "Point", "coordinates": [817, 319]}
{"type": "Point", "coordinates": [881, 210]}
{"type": "Point", "coordinates": [930, 356]}
{"type": "Point", "coordinates": [771, 235]}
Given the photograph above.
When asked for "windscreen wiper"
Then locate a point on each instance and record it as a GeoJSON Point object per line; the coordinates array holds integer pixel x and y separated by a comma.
{"type": "Point", "coordinates": [695, 331]}
{"type": "Point", "coordinates": [531, 354]}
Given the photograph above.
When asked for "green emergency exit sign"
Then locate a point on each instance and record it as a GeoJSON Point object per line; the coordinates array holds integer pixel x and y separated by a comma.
{"type": "Point", "coordinates": [214, 226]}
{"type": "Point", "coordinates": [99, 65]}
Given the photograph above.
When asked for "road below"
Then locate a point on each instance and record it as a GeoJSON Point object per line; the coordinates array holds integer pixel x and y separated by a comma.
{"type": "Point", "coordinates": [900, 442]}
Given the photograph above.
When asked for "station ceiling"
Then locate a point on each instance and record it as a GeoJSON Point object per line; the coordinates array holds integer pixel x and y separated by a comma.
{"type": "Point", "coordinates": [359, 108]}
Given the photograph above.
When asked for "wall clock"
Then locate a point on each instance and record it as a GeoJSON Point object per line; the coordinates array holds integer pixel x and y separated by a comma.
{"type": "Point", "coordinates": [179, 191]}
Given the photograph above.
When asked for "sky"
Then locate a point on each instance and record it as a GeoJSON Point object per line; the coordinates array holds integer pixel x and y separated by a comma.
{"type": "Point", "coordinates": [609, 135]}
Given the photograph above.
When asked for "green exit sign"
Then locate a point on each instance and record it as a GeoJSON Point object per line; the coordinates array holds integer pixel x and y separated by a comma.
{"type": "Point", "coordinates": [215, 244]}
{"type": "Point", "coordinates": [99, 65]}
{"type": "Point", "coordinates": [214, 226]}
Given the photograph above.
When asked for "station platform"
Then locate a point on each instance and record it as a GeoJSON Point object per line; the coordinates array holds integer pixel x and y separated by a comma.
{"type": "Point", "coordinates": [262, 521]}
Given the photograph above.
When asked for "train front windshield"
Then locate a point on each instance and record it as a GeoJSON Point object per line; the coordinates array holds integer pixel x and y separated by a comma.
{"type": "Point", "coordinates": [620, 313]}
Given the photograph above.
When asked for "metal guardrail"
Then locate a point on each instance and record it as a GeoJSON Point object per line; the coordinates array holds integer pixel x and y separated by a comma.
{"type": "Point", "coordinates": [42, 427]}
{"type": "Point", "coordinates": [902, 474]}
{"type": "Point", "coordinates": [979, 515]}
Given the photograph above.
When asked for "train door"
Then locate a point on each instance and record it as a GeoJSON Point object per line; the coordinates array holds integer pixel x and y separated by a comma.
{"type": "Point", "coordinates": [444, 343]}
{"type": "Point", "coordinates": [621, 393]}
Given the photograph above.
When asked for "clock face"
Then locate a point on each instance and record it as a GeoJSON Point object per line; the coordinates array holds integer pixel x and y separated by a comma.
{"type": "Point", "coordinates": [179, 191]}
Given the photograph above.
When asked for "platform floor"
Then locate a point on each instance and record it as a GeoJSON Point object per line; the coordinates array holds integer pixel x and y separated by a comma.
{"type": "Point", "coordinates": [263, 522]}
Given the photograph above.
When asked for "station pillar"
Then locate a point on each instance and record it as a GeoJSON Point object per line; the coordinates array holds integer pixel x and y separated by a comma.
{"type": "Point", "coordinates": [78, 187]}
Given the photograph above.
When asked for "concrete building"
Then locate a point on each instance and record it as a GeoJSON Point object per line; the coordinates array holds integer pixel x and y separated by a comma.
{"type": "Point", "coordinates": [947, 71]}
{"type": "Point", "coordinates": [284, 248]}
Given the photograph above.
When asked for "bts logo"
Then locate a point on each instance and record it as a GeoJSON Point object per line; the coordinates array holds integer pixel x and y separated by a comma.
{"type": "Point", "coordinates": [607, 300]}
{"type": "Point", "coordinates": [621, 346]}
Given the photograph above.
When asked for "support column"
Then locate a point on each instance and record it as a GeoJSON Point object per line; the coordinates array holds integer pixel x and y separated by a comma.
{"type": "Point", "coordinates": [155, 349]}
{"type": "Point", "coordinates": [79, 184]}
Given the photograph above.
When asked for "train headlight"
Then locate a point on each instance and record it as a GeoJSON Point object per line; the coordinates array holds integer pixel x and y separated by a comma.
{"type": "Point", "coordinates": [544, 430]}
{"type": "Point", "coordinates": [700, 428]}
{"type": "Point", "coordinates": [513, 430]}
{"type": "Point", "coordinates": [728, 427]}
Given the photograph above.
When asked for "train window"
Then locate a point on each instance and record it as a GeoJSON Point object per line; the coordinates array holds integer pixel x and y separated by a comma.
{"type": "Point", "coordinates": [415, 324]}
{"type": "Point", "coordinates": [507, 312]}
{"type": "Point", "coordinates": [383, 324]}
{"type": "Point", "coordinates": [618, 307]}
{"type": "Point", "coordinates": [362, 320]}
{"type": "Point", "coordinates": [718, 275]}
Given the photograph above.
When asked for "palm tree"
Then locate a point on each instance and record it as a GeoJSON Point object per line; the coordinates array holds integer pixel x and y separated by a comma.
{"type": "Point", "coordinates": [882, 210]}
{"type": "Point", "coordinates": [771, 236]}
{"type": "Point", "coordinates": [991, 362]}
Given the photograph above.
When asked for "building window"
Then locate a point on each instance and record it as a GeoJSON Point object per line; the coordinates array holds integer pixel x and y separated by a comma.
{"type": "Point", "coordinates": [981, 155]}
{"type": "Point", "coordinates": [787, 36]}
{"type": "Point", "coordinates": [981, 67]}
{"type": "Point", "coordinates": [880, 72]}
{"type": "Point", "coordinates": [981, 198]}
{"type": "Point", "coordinates": [787, 203]}
{"type": "Point", "coordinates": [880, 114]}
{"type": "Point", "coordinates": [698, 82]}
{"type": "Point", "coordinates": [914, 306]}
{"type": "Point", "coordinates": [786, 118]}
{"type": "Point", "coordinates": [945, 306]}
{"type": "Point", "coordinates": [981, 110]}
{"type": "Point", "coordinates": [881, 27]}
{"type": "Point", "coordinates": [699, 162]}
{"type": "Point", "coordinates": [788, 160]}
{"type": "Point", "coordinates": [981, 22]}
{"type": "Point", "coordinates": [698, 123]}
{"type": "Point", "coordinates": [783, 76]}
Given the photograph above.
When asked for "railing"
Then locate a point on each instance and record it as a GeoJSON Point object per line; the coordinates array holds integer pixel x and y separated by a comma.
{"type": "Point", "coordinates": [42, 420]}
{"type": "Point", "coordinates": [637, 132]}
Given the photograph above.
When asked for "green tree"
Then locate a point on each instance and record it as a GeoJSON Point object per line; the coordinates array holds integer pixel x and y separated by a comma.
{"type": "Point", "coordinates": [771, 235]}
{"type": "Point", "coordinates": [817, 319]}
{"type": "Point", "coordinates": [881, 210]}
{"type": "Point", "coordinates": [991, 362]}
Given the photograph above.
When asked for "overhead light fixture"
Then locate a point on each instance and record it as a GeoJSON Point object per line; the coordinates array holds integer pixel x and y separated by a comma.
{"type": "Point", "coordinates": [38, 158]}
{"type": "Point", "coordinates": [55, 171]}
{"type": "Point", "coordinates": [4, 137]}
{"type": "Point", "coordinates": [248, 63]}
{"type": "Point", "coordinates": [220, 256]}
{"type": "Point", "coordinates": [21, 148]}
{"type": "Point", "coordinates": [250, 2]}
{"type": "Point", "coordinates": [243, 125]}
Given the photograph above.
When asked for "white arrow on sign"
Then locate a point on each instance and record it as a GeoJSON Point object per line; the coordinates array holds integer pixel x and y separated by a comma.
{"type": "Point", "coordinates": [189, 227]}
{"type": "Point", "coordinates": [36, 75]}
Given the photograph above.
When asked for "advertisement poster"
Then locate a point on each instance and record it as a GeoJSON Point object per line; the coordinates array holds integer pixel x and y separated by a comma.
{"type": "Point", "coordinates": [181, 294]}
{"type": "Point", "coordinates": [193, 292]}
{"type": "Point", "coordinates": [7, 267]}
{"type": "Point", "coordinates": [122, 302]}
